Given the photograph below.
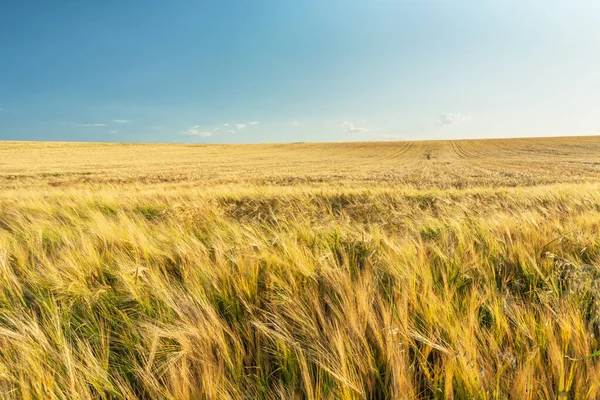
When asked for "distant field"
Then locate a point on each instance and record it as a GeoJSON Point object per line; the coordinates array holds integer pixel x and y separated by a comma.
{"type": "Point", "coordinates": [468, 163]}
{"type": "Point", "coordinates": [451, 269]}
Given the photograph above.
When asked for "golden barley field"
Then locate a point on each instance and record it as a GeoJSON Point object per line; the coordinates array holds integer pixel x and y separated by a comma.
{"type": "Point", "coordinates": [400, 270]}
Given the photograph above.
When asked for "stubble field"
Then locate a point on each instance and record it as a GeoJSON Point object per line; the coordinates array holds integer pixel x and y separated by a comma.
{"type": "Point", "coordinates": [417, 270]}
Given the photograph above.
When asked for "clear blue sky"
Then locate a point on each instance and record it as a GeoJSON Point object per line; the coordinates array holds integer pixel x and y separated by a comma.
{"type": "Point", "coordinates": [306, 70]}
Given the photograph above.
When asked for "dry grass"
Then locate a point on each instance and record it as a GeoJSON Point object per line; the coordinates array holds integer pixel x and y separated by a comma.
{"type": "Point", "coordinates": [300, 271]}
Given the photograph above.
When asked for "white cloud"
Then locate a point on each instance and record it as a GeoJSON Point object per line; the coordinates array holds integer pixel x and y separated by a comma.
{"type": "Point", "coordinates": [295, 123]}
{"type": "Point", "coordinates": [226, 124]}
{"type": "Point", "coordinates": [231, 131]}
{"type": "Point", "coordinates": [113, 131]}
{"type": "Point", "coordinates": [121, 121]}
{"type": "Point", "coordinates": [254, 122]}
{"type": "Point", "coordinates": [194, 131]}
{"type": "Point", "coordinates": [350, 127]}
{"type": "Point", "coordinates": [453, 119]}
{"type": "Point", "coordinates": [240, 126]}
{"type": "Point", "coordinates": [216, 129]}
{"type": "Point", "coordinates": [91, 124]}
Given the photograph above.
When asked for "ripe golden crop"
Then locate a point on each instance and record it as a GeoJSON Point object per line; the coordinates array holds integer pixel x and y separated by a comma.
{"type": "Point", "coordinates": [456, 269]}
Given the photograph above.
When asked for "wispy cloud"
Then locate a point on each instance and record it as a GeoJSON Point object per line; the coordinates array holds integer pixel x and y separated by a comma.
{"type": "Point", "coordinates": [195, 131]}
{"type": "Point", "coordinates": [113, 131]}
{"type": "Point", "coordinates": [121, 121]}
{"type": "Point", "coordinates": [231, 131]}
{"type": "Point", "coordinates": [350, 127]}
{"type": "Point", "coordinates": [453, 119]}
{"type": "Point", "coordinates": [240, 126]}
{"type": "Point", "coordinates": [88, 125]}
{"type": "Point", "coordinates": [295, 123]}
{"type": "Point", "coordinates": [254, 122]}
{"type": "Point", "coordinates": [226, 124]}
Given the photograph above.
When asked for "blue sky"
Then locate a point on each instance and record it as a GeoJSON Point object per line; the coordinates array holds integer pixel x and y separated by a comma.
{"type": "Point", "coordinates": [285, 71]}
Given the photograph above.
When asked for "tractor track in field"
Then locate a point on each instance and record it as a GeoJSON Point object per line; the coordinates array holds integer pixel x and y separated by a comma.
{"type": "Point", "coordinates": [407, 146]}
{"type": "Point", "coordinates": [457, 150]}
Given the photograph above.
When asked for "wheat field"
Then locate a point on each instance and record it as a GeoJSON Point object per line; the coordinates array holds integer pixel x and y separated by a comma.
{"type": "Point", "coordinates": [401, 270]}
